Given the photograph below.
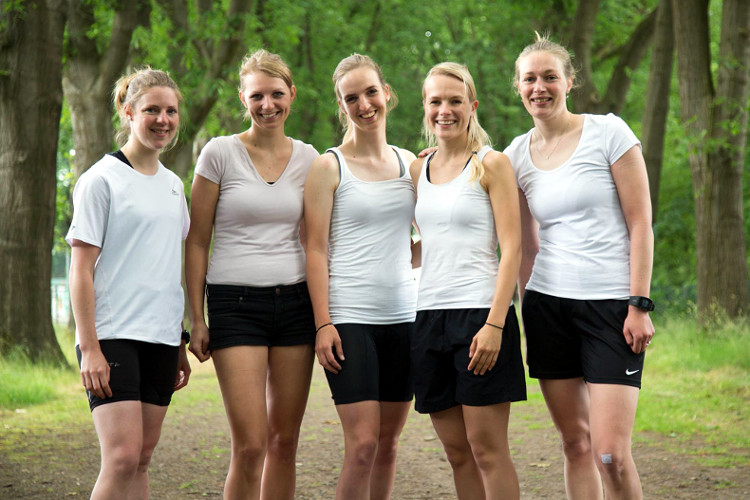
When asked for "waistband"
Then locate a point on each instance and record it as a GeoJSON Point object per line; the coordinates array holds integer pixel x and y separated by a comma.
{"type": "Point", "coordinates": [245, 291]}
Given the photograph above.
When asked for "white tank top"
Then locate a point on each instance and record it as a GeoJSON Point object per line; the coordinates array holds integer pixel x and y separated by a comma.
{"type": "Point", "coordinates": [459, 242]}
{"type": "Point", "coordinates": [369, 256]}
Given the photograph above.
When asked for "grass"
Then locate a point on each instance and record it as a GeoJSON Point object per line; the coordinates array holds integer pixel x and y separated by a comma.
{"type": "Point", "coordinates": [696, 389]}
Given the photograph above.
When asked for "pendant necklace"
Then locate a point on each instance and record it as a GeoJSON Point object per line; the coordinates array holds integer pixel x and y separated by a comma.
{"type": "Point", "coordinates": [567, 127]}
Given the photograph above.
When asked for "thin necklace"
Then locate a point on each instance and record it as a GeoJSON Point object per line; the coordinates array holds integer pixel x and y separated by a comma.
{"type": "Point", "coordinates": [567, 127]}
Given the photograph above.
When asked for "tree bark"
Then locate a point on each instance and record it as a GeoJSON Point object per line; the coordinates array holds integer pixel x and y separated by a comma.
{"type": "Point", "coordinates": [657, 100]}
{"type": "Point", "coordinates": [31, 38]}
{"type": "Point", "coordinates": [716, 124]}
{"type": "Point", "coordinates": [90, 74]}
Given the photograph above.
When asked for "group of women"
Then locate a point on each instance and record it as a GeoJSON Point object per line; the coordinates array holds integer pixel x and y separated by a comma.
{"type": "Point", "coordinates": [297, 255]}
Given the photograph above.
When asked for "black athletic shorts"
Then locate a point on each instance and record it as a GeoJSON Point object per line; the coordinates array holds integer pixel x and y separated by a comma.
{"type": "Point", "coordinates": [440, 360]}
{"type": "Point", "coordinates": [268, 316]}
{"type": "Point", "coordinates": [138, 371]}
{"type": "Point", "coordinates": [377, 365]}
{"type": "Point", "coordinates": [569, 338]}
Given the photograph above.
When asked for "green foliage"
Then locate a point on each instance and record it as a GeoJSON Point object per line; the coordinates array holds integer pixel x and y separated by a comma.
{"type": "Point", "coordinates": [697, 386]}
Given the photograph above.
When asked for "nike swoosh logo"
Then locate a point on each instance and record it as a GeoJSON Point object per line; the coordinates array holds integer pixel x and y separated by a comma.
{"type": "Point", "coordinates": [628, 372]}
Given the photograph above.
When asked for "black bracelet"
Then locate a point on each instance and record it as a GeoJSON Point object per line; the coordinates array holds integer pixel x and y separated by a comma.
{"type": "Point", "coordinates": [323, 326]}
{"type": "Point", "coordinates": [493, 326]}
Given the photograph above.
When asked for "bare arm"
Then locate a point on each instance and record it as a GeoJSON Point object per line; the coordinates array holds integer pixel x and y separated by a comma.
{"type": "Point", "coordinates": [94, 366]}
{"type": "Point", "coordinates": [529, 243]}
{"type": "Point", "coordinates": [320, 187]}
{"type": "Point", "coordinates": [205, 195]}
{"type": "Point", "coordinates": [416, 248]}
{"type": "Point", "coordinates": [629, 174]}
{"type": "Point", "coordinates": [501, 187]}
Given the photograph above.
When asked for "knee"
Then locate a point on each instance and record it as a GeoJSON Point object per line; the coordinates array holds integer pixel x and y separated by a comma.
{"type": "Point", "coordinates": [123, 462]}
{"type": "Point", "coordinates": [249, 455]}
{"type": "Point", "coordinates": [363, 453]}
{"type": "Point", "coordinates": [577, 446]}
{"type": "Point", "coordinates": [458, 456]}
{"type": "Point", "coordinates": [283, 446]}
{"type": "Point", "coordinates": [145, 459]}
{"type": "Point", "coordinates": [612, 466]}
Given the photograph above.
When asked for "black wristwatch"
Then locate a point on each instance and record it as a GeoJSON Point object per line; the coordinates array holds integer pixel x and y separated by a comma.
{"type": "Point", "coordinates": [643, 303]}
{"type": "Point", "coordinates": [186, 336]}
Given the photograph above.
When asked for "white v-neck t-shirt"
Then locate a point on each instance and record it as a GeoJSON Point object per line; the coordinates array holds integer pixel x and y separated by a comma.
{"type": "Point", "coordinates": [256, 227]}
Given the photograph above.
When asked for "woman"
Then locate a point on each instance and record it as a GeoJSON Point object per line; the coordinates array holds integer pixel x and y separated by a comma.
{"type": "Point", "coordinates": [466, 349]}
{"type": "Point", "coordinates": [359, 205]}
{"type": "Point", "coordinates": [129, 219]}
{"type": "Point", "coordinates": [586, 274]}
{"type": "Point", "coordinates": [247, 190]}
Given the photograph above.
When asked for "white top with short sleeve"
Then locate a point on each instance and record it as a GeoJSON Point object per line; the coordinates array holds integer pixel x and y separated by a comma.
{"type": "Point", "coordinates": [256, 227]}
{"type": "Point", "coordinates": [369, 254]}
{"type": "Point", "coordinates": [139, 222]}
{"type": "Point", "coordinates": [459, 242]}
{"type": "Point", "coordinates": [584, 245]}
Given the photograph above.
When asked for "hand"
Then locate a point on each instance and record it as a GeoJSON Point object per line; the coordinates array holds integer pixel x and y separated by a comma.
{"type": "Point", "coordinates": [199, 342]}
{"type": "Point", "coordinates": [426, 151]}
{"type": "Point", "coordinates": [95, 373]}
{"type": "Point", "coordinates": [484, 349]}
{"type": "Point", "coordinates": [638, 329]}
{"type": "Point", "coordinates": [183, 369]}
{"type": "Point", "coordinates": [326, 341]}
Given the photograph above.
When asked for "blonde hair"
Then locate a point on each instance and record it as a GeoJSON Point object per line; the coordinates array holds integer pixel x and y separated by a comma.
{"type": "Point", "coordinates": [351, 63]}
{"type": "Point", "coordinates": [265, 62]}
{"type": "Point", "coordinates": [544, 44]}
{"type": "Point", "coordinates": [130, 88]}
{"type": "Point", "coordinates": [477, 136]}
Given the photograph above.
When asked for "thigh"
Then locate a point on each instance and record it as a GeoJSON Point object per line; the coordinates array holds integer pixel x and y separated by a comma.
{"type": "Point", "coordinates": [487, 426]}
{"type": "Point", "coordinates": [158, 372]}
{"type": "Point", "coordinates": [289, 374]}
{"type": "Point", "coordinates": [553, 346]}
{"type": "Point", "coordinates": [568, 404]}
{"type": "Point", "coordinates": [612, 416]}
{"type": "Point", "coordinates": [124, 371]}
{"type": "Point", "coordinates": [119, 426]}
{"type": "Point", "coordinates": [360, 421]}
{"type": "Point", "coordinates": [451, 430]}
{"type": "Point", "coordinates": [432, 363]}
{"type": "Point", "coordinates": [242, 373]}
{"type": "Point", "coordinates": [358, 379]}
{"type": "Point", "coordinates": [152, 417]}
{"type": "Point", "coordinates": [396, 381]}
{"type": "Point", "coordinates": [506, 381]}
{"type": "Point", "coordinates": [393, 418]}
{"type": "Point", "coordinates": [606, 355]}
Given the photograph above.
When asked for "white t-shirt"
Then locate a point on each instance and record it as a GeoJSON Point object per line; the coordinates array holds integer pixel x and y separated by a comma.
{"type": "Point", "coordinates": [256, 227]}
{"type": "Point", "coordinates": [369, 255]}
{"type": "Point", "coordinates": [139, 222]}
{"type": "Point", "coordinates": [584, 248]}
{"type": "Point", "coordinates": [459, 242]}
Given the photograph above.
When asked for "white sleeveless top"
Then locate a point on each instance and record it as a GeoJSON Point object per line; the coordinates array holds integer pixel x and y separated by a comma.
{"type": "Point", "coordinates": [459, 242]}
{"type": "Point", "coordinates": [369, 256]}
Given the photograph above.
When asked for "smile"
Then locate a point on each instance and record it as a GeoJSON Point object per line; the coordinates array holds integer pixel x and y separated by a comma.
{"type": "Point", "coordinates": [368, 115]}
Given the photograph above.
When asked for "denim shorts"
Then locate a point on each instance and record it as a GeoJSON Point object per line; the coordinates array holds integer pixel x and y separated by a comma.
{"type": "Point", "coordinates": [269, 316]}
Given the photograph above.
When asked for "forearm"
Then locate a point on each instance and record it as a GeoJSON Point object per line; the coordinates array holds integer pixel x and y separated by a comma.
{"type": "Point", "coordinates": [317, 284]}
{"type": "Point", "coordinates": [507, 276]}
{"type": "Point", "coordinates": [196, 266]}
{"type": "Point", "coordinates": [82, 297]}
{"type": "Point", "coordinates": [641, 258]}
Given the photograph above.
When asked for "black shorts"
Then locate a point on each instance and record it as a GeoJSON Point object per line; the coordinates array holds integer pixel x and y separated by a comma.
{"type": "Point", "coordinates": [269, 316]}
{"type": "Point", "coordinates": [138, 371]}
{"type": "Point", "coordinates": [440, 357]}
{"type": "Point", "coordinates": [568, 338]}
{"type": "Point", "coordinates": [377, 365]}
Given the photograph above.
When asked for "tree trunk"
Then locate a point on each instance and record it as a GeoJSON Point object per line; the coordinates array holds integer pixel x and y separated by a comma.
{"type": "Point", "coordinates": [716, 124]}
{"type": "Point", "coordinates": [657, 100]}
{"type": "Point", "coordinates": [31, 37]}
{"type": "Point", "coordinates": [90, 74]}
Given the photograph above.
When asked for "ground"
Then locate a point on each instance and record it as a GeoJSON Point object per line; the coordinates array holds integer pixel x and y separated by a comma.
{"type": "Point", "coordinates": [61, 462]}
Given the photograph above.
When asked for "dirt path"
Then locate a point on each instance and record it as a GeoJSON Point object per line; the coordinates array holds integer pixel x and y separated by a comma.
{"type": "Point", "coordinates": [61, 462]}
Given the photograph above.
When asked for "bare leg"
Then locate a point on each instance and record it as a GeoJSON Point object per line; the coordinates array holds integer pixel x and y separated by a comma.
{"type": "Point", "coordinates": [289, 374]}
{"type": "Point", "coordinates": [361, 424]}
{"type": "Point", "coordinates": [487, 432]}
{"type": "Point", "coordinates": [153, 418]}
{"type": "Point", "coordinates": [568, 403]}
{"type": "Point", "coordinates": [612, 417]}
{"type": "Point", "coordinates": [120, 430]}
{"type": "Point", "coordinates": [242, 372]}
{"type": "Point", "coordinates": [392, 419]}
{"type": "Point", "coordinates": [450, 428]}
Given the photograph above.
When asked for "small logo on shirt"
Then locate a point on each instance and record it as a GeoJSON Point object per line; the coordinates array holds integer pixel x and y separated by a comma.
{"type": "Point", "coordinates": [629, 372]}
{"type": "Point", "coordinates": [175, 192]}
